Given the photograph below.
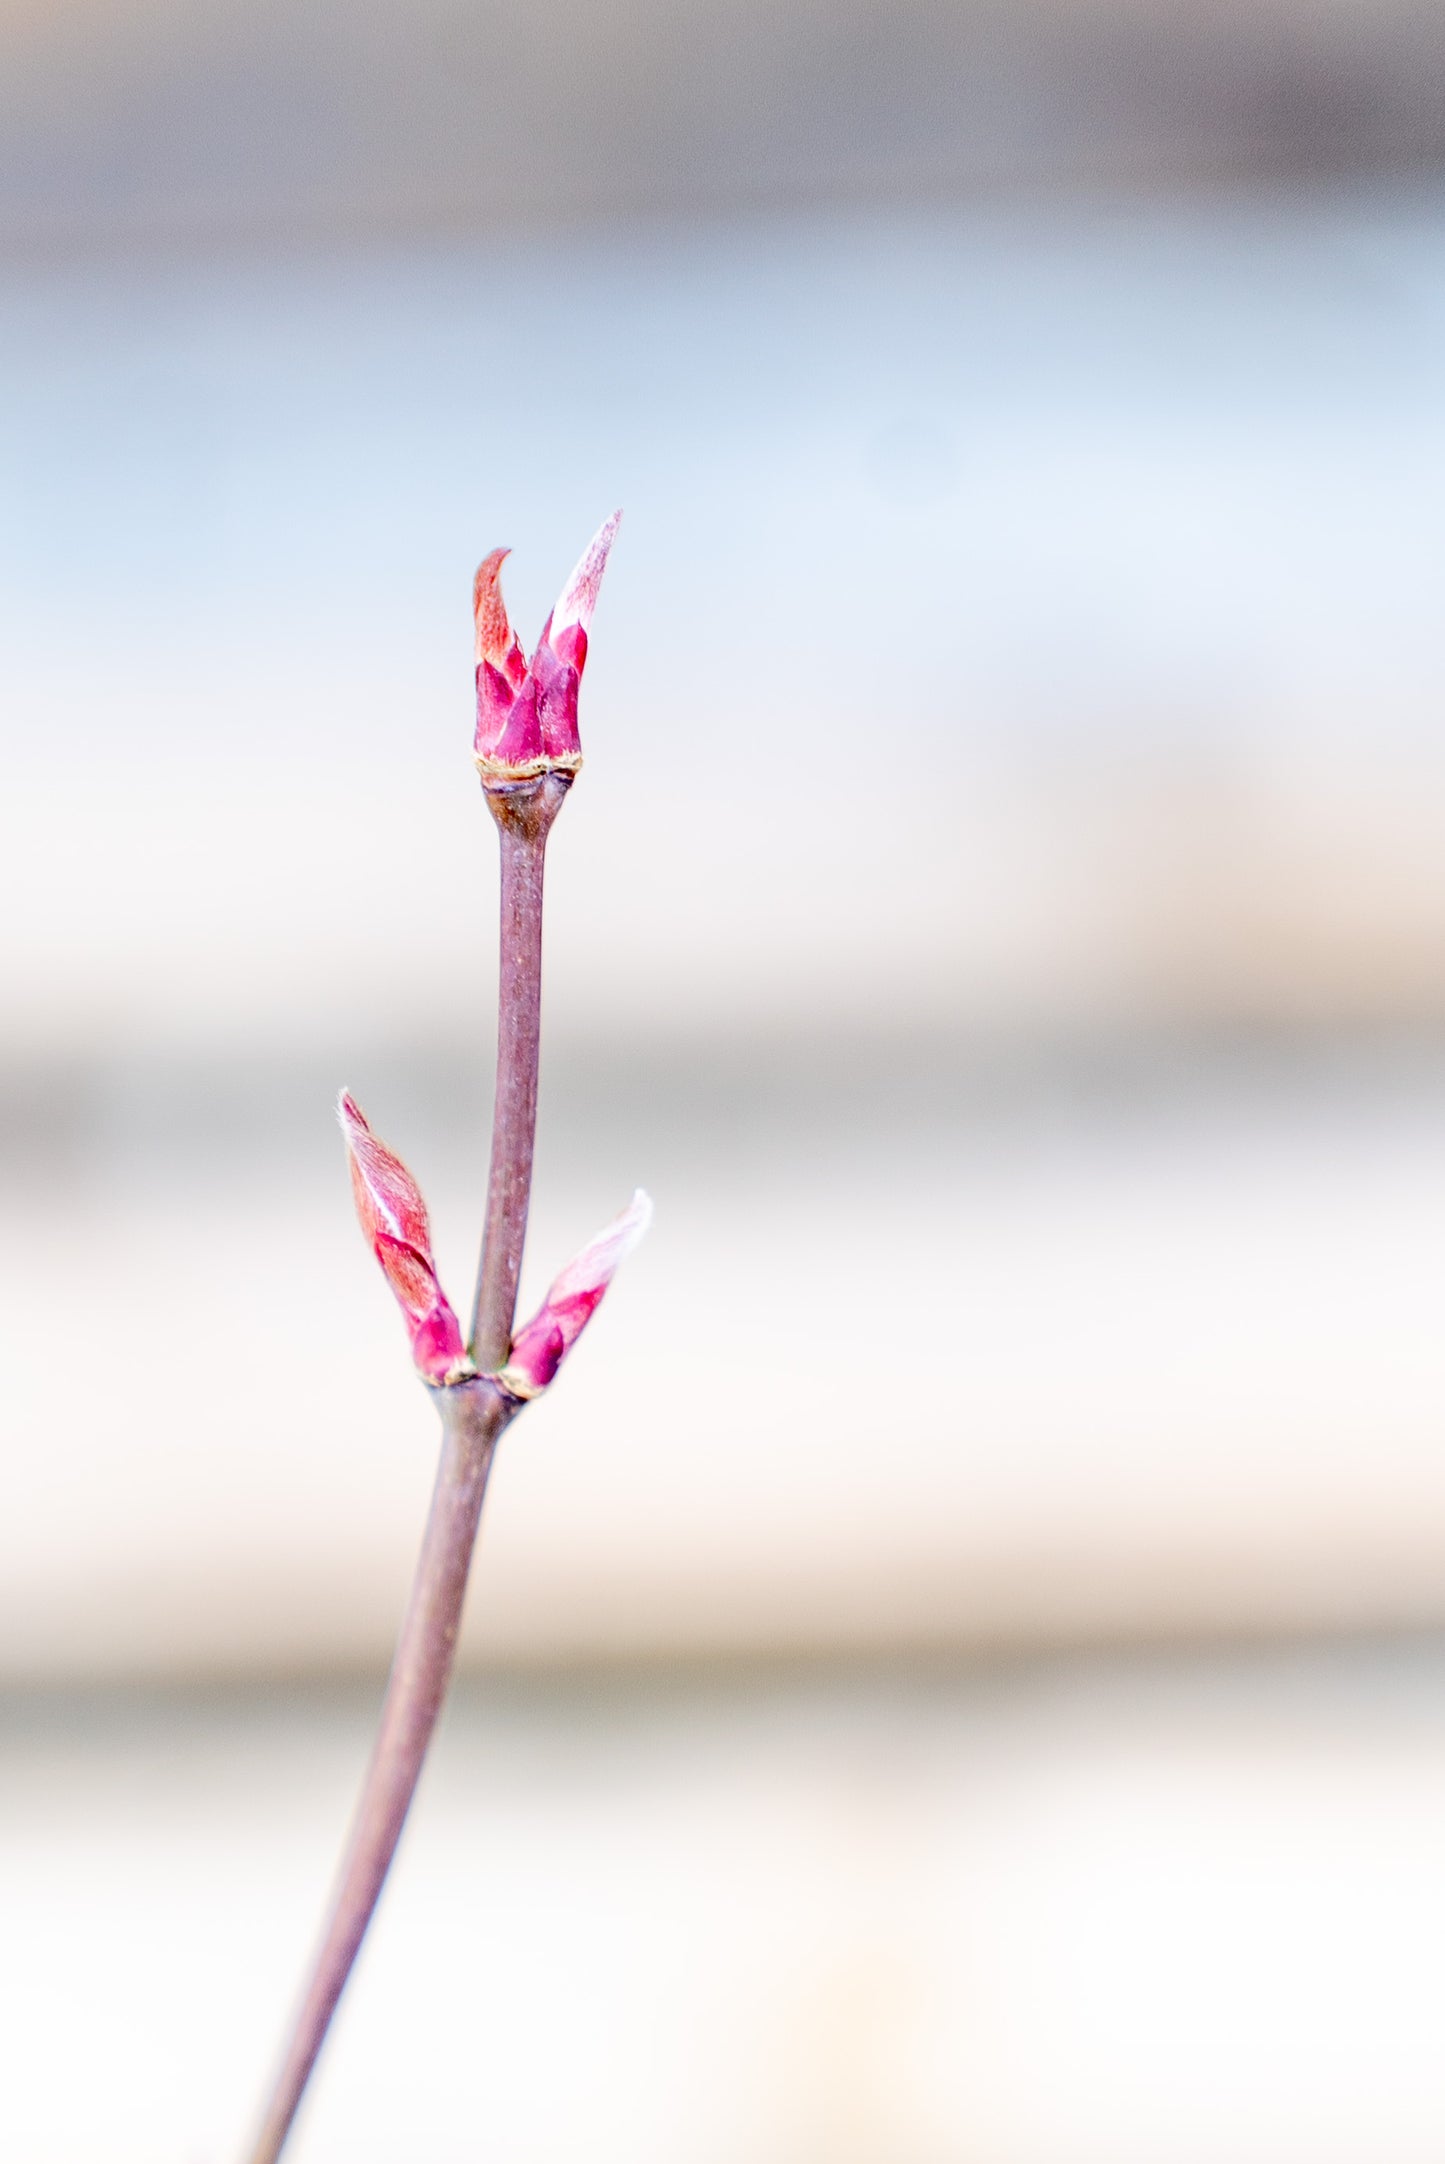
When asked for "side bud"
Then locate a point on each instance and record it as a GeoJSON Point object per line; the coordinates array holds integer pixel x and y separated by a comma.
{"type": "Point", "coordinates": [393, 1217]}
{"type": "Point", "coordinates": [542, 1344]}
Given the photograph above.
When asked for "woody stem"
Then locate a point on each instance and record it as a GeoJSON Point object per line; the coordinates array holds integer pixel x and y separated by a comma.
{"type": "Point", "coordinates": [473, 1417]}
{"type": "Point", "coordinates": [524, 816]}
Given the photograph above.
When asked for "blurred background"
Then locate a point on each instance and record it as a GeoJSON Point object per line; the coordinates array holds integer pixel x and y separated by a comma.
{"type": "Point", "coordinates": [956, 1670]}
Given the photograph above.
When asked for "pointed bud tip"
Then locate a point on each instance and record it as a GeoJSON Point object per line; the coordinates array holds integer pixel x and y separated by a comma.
{"type": "Point", "coordinates": [579, 595]}
{"type": "Point", "coordinates": [489, 610]}
{"type": "Point", "coordinates": [635, 1219]}
{"type": "Point", "coordinates": [348, 1111]}
{"type": "Point", "coordinates": [387, 1196]}
{"type": "Point", "coordinates": [596, 1265]}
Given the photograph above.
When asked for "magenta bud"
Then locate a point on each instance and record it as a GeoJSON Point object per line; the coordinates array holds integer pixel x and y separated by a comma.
{"type": "Point", "coordinates": [541, 1345]}
{"type": "Point", "coordinates": [527, 711]}
{"type": "Point", "coordinates": [393, 1217]}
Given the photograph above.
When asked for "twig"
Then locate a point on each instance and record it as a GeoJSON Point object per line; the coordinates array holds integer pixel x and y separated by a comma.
{"type": "Point", "coordinates": [474, 1414]}
{"type": "Point", "coordinates": [524, 816]}
{"type": "Point", "coordinates": [527, 753]}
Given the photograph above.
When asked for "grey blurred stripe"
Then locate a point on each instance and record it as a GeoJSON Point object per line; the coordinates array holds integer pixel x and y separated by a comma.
{"type": "Point", "coordinates": [189, 122]}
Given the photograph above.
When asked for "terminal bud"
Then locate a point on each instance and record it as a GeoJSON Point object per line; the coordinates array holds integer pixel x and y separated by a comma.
{"type": "Point", "coordinates": [527, 710]}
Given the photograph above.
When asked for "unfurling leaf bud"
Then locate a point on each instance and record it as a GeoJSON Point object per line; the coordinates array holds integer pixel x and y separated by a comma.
{"type": "Point", "coordinates": [527, 711]}
{"type": "Point", "coordinates": [393, 1217]}
{"type": "Point", "coordinates": [541, 1344]}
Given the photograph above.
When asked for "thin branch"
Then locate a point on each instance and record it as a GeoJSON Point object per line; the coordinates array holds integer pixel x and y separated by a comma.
{"type": "Point", "coordinates": [527, 752]}
{"type": "Point", "coordinates": [524, 817]}
{"type": "Point", "coordinates": [473, 1417]}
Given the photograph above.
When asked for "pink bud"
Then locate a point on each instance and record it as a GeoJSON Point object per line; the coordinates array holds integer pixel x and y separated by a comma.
{"type": "Point", "coordinates": [541, 1344]}
{"type": "Point", "coordinates": [393, 1217]}
{"type": "Point", "coordinates": [527, 711]}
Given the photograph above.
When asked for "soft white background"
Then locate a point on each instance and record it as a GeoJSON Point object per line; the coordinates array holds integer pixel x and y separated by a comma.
{"type": "Point", "coordinates": [954, 1671]}
{"type": "Point", "coordinates": [1001, 919]}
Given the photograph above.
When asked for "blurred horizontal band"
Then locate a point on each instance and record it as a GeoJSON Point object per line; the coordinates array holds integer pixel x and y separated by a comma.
{"type": "Point", "coordinates": [154, 121]}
